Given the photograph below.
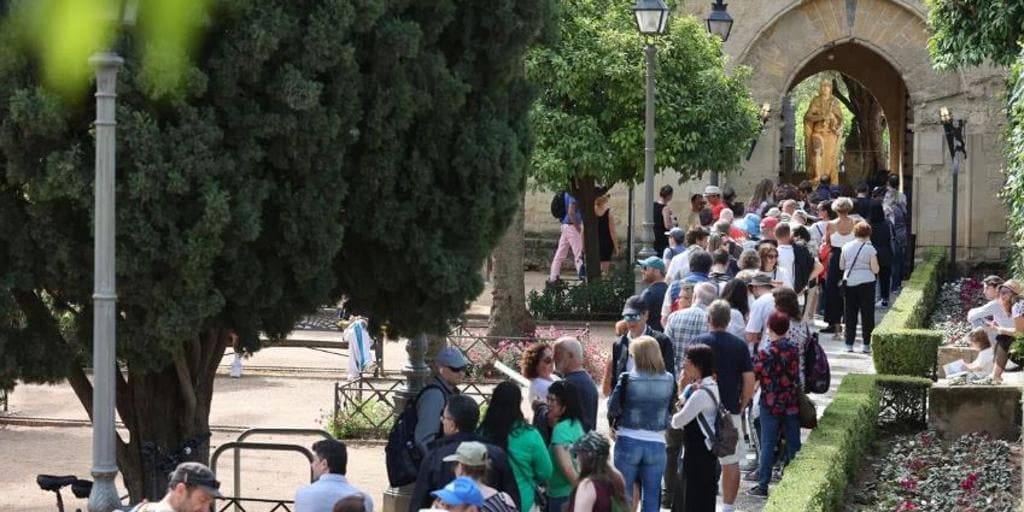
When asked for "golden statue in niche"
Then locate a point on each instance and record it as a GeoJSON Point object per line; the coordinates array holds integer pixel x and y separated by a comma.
{"type": "Point", "coordinates": [823, 123]}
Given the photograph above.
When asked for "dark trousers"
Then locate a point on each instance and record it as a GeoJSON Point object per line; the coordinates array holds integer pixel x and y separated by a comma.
{"type": "Point", "coordinates": [859, 299]}
{"type": "Point", "coordinates": [673, 450]}
{"type": "Point", "coordinates": [899, 253]}
{"type": "Point", "coordinates": [884, 282]}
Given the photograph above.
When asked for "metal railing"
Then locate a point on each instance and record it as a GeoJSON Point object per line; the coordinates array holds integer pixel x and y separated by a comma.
{"type": "Point", "coordinates": [237, 446]}
{"type": "Point", "coordinates": [361, 401]}
{"type": "Point", "coordinates": [3, 398]}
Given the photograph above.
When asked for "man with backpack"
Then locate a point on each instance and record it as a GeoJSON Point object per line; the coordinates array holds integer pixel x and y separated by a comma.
{"type": "Point", "coordinates": [735, 373]}
{"type": "Point", "coordinates": [566, 210]}
{"type": "Point", "coordinates": [420, 423]}
{"type": "Point", "coordinates": [460, 418]}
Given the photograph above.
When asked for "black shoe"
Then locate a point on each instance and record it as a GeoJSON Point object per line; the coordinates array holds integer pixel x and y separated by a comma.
{"type": "Point", "coordinates": [831, 329]}
{"type": "Point", "coordinates": [757, 491]}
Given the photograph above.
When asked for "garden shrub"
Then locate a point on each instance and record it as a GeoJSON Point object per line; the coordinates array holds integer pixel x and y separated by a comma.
{"type": "Point", "coordinates": [368, 419]}
{"type": "Point", "coordinates": [900, 344]}
{"type": "Point", "coordinates": [600, 299]}
{"type": "Point", "coordinates": [816, 480]}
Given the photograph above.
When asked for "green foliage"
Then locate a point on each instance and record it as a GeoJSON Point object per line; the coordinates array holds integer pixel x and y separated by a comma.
{"type": "Point", "coordinates": [971, 32]}
{"type": "Point", "coordinates": [816, 480]}
{"type": "Point", "coordinates": [317, 149]}
{"type": "Point", "coordinates": [900, 345]}
{"type": "Point", "coordinates": [1013, 191]}
{"type": "Point", "coordinates": [598, 299]}
{"type": "Point", "coordinates": [589, 119]}
{"type": "Point", "coordinates": [369, 419]}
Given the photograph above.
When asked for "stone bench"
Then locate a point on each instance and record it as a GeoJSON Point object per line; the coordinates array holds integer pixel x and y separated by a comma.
{"type": "Point", "coordinates": [957, 410]}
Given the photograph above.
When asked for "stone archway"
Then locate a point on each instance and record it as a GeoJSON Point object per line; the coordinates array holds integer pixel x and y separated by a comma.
{"type": "Point", "coordinates": [878, 42]}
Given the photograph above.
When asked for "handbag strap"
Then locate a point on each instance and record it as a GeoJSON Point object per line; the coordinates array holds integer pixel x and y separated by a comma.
{"type": "Point", "coordinates": [854, 262]}
{"type": "Point", "coordinates": [708, 431]}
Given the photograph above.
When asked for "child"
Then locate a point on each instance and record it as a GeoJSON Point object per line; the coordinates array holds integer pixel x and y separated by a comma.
{"type": "Point", "coordinates": [981, 367]}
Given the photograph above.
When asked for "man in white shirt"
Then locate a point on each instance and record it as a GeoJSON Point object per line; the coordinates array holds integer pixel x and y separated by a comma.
{"type": "Point", "coordinates": [680, 264]}
{"type": "Point", "coordinates": [764, 304]}
{"type": "Point", "coordinates": [329, 465]}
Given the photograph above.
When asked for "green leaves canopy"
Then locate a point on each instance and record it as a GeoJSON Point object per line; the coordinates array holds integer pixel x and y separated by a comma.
{"type": "Point", "coordinates": [972, 32]}
{"type": "Point", "coordinates": [318, 149]}
{"type": "Point", "coordinates": [589, 119]}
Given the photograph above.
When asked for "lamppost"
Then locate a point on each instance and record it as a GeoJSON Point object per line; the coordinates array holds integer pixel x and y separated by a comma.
{"type": "Point", "coordinates": [651, 20]}
{"type": "Point", "coordinates": [104, 496]}
{"type": "Point", "coordinates": [957, 151]}
{"type": "Point", "coordinates": [719, 23]}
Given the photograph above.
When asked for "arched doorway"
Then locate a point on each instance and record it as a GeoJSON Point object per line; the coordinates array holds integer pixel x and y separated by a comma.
{"type": "Point", "coordinates": [883, 46]}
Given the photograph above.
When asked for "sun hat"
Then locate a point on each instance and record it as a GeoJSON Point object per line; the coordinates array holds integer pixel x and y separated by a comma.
{"type": "Point", "coordinates": [712, 190]}
{"type": "Point", "coordinates": [470, 453]}
{"type": "Point", "coordinates": [1013, 286]}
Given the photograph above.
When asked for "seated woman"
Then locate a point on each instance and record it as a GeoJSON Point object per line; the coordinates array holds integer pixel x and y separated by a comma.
{"type": "Point", "coordinates": [979, 316]}
{"type": "Point", "coordinates": [1007, 323]}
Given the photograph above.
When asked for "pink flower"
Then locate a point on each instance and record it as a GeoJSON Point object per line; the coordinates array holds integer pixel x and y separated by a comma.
{"type": "Point", "coordinates": [968, 482]}
{"type": "Point", "coordinates": [906, 505]}
{"type": "Point", "coordinates": [908, 484]}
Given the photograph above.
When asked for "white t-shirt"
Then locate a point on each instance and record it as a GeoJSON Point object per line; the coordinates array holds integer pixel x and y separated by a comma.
{"type": "Point", "coordinates": [678, 267]}
{"type": "Point", "coordinates": [985, 360]}
{"type": "Point", "coordinates": [737, 326]}
{"type": "Point", "coordinates": [759, 313]}
{"type": "Point", "coordinates": [539, 389]}
{"type": "Point", "coordinates": [856, 262]}
{"type": "Point", "coordinates": [785, 265]}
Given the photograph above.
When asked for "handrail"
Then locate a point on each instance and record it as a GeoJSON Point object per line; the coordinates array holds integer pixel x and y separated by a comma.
{"type": "Point", "coordinates": [236, 446]}
{"type": "Point", "coordinates": [237, 485]}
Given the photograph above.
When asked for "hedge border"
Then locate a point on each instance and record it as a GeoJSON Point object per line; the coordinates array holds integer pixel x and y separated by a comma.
{"type": "Point", "coordinates": [817, 478]}
{"type": "Point", "coordinates": [900, 344]}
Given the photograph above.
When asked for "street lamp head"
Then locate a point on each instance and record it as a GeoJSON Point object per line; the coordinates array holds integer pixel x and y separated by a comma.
{"type": "Point", "coordinates": [718, 20]}
{"type": "Point", "coordinates": [945, 116]}
{"type": "Point", "coordinates": [651, 17]}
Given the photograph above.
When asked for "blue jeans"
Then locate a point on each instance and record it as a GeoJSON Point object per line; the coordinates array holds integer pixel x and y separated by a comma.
{"type": "Point", "coordinates": [644, 462]}
{"type": "Point", "coordinates": [770, 426]}
{"type": "Point", "coordinates": [557, 504]}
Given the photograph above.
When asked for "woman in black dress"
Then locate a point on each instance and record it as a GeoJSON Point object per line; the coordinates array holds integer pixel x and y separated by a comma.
{"type": "Point", "coordinates": [607, 241]}
{"type": "Point", "coordinates": [663, 219]}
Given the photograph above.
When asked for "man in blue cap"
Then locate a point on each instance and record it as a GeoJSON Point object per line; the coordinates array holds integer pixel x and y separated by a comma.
{"type": "Point", "coordinates": [450, 367]}
{"type": "Point", "coordinates": [460, 495]}
{"type": "Point", "coordinates": [652, 270]}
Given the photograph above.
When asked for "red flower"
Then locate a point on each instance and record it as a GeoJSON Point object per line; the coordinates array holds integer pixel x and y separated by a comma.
{"type": "Point", "coordinates": [906, 505]}
{"type": "Point", "coordinates": [909, 484]}
{"type": "Point", "coordinates": [968, 482]}
{"type": "Point", "coordinates": [916, 464]}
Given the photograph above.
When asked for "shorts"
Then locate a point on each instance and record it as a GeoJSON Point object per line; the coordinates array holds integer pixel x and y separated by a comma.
{"type": "Point", "coordinates": [741, 447]}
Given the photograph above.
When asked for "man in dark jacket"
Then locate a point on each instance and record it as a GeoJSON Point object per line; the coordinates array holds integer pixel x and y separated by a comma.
{"type": "Point", "coordinates": [459, 422]}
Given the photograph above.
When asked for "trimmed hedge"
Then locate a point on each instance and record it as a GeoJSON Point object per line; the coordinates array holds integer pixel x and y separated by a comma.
{"type": "Point", "coordinates": [816, 480]}
{"type": "Point", "coordinates": [900, 345]}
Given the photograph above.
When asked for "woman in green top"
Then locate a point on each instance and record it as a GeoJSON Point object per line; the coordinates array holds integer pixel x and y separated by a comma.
{"type": "Point", "coordinates": [565, 415]}
{"type": "Point", "coordinates": [505, 426]}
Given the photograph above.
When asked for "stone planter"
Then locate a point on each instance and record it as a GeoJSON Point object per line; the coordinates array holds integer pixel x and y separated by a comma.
{"type": "Point", "coordinates": [957, 410]}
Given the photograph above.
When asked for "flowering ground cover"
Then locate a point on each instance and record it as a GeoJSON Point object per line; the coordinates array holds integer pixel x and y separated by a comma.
{"type": "Point", "coordinates": [922, 472]}
{"type": "Point", "coordinates": [950, 315]}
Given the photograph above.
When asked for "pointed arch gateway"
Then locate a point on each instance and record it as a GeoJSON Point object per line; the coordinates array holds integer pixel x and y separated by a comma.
{"type": "Point", "coordinates": [883, 46]}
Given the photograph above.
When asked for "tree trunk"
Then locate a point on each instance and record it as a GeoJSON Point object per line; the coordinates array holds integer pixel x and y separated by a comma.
{"type": "Point", "coordinates": [864, 143]}
{"type": "Point", "coordinates": [168, 431]}
{"type": "Point", "coordinates": [586, 193]}
{"type": "Point", "coordinates": [509, 316]}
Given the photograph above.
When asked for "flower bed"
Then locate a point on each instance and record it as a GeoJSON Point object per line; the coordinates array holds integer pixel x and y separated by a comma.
{"type": "Point", "coordinates": [921, 472]}
{"type": "Point", "coordinates": [956, 298]}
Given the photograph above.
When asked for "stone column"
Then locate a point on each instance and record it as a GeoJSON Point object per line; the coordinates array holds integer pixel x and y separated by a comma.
{"type": "Point", "coordinates": [396, 499]}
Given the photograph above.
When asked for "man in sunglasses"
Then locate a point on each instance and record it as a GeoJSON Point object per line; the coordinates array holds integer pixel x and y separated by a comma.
{"type": "Point", "coordinates": [192, 487]}
{"type": "Point", "coordinates": [450, 366]}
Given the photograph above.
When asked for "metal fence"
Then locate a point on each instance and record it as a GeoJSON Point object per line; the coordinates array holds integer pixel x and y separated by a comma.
{"type": "Point", "coordinates": [372, 402]}
{"type": "Point", "coordinates": [3, 399]}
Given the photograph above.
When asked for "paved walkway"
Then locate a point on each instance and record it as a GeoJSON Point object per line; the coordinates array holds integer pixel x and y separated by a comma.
{"type": "Point", "coordinates": [52, 435]}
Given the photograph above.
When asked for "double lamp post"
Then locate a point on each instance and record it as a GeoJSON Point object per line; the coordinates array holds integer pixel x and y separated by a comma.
{"type": "Point", "coordinates": [651, 21]}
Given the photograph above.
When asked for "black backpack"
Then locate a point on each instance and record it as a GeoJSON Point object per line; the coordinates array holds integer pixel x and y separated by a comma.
{"type": "Point", "coordinates": [558, 209]}
{"type": "Point", "coordinates": [803, 265]}
{"type": "Point", "coordinates": [401, 455]}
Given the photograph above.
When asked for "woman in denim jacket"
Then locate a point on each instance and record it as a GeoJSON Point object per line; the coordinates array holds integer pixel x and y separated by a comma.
{"type": "Point", "coordinates": [639, 410]}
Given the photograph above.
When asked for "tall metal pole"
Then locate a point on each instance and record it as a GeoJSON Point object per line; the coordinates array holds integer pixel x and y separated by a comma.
{"type": "Point", "coordinates": [647, 247]}
{"type": "Point", "coordinates": [647, 237]}
{"type": "Point", "coordinates": [417, 373]}
{"type": "Point", "coordinates": [952, 240]}
{"type": "Point", "coordinates": [104, 496]}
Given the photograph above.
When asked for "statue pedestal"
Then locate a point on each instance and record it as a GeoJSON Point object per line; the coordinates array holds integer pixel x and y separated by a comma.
{"type": "Point", "coordinates": [396, 499]}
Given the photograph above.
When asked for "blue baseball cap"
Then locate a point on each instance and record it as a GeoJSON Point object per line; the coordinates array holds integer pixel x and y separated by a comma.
{"type": "Point", "coordinates": [461, 491]}
{"type": "Point", "coordinates": [653, 262]}
{"type": "Point", "coordinates": [451, 357]}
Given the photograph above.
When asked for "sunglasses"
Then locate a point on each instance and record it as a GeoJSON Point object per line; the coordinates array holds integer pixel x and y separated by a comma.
{"type": "Point", "coordinates": [631, 317]}
{"type": "Point", "coordinates": [457, 370]}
